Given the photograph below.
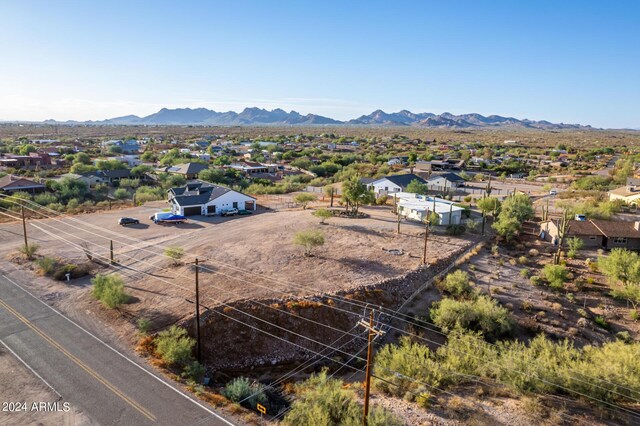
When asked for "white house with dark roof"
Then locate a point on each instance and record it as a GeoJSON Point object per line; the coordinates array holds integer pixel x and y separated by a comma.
{"type": "Point", "coordinates": [393, 183]}
{"type": "Point", "coordinates": [202, 198]}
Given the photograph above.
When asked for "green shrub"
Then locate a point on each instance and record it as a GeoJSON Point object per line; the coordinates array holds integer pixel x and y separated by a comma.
{"type": "Point", "coordinates": [382, 200]}
{"type": "Point", "coordinates": [45, 198]}
{"type": "Point", "coordinates": [482, 314]}
{"type": "Point", "coordinates": [524, 273]}
{"type": "Point", "coordinates": [174, 346]}
{"type": "Point", "coordinates": [308, 239]}
{"type": "Point", "coordinates": [455, 230]}
{"type": "Point", "coordinates": [121, 194]}
{"type": "Point", "coordinates": [323, 214]}
{"type": "Point", "coordinates": [144, 325]}
{"type": "Point", "coordinates": [109, 289]}
{"type": "Point", "coordinates": [602, 322]}
{"type": "Point", "coordinates": [322, 401]}
{"type": "Point", "coordinates": [556, 275]}
{"type": "Point", "coordinates": [46, 265]}
{"type": "Point", "coordinates": [457, 283]}
{"type": "Point", "coordinates": [175, 253]}
{"type": "Point", "coordinates": [194, 371]}
{"type": "Point", "coordinates": [29, 250]}
{"type": "Point", "coordinates": [535, 280]}
{"type": "Point", "coordinates": [245, 391]}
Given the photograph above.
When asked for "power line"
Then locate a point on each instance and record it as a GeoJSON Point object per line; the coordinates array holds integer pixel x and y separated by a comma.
{"type": "Point", "coordinates": [422, 324]}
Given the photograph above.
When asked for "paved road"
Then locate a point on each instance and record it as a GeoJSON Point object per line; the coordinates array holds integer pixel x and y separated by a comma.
{"type": "Point", "coordinates": [107, 386]}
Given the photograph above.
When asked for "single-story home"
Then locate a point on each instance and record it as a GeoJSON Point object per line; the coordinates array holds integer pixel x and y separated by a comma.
{"type": "Point", "coordinates": [393, 183]}
{"type": "Point", "coordinates": [630, 193]}
{"type": "Point", "coordinates": [187, 170]}
{"type": "Point", "coordinates": [595, 233]}
{"type": "Point", "coordinates": [10, 183]}
{"type": "Point", "coordinates": [398, 161]}
{"type": "Point", "coordinates": [91, 179]}
{"type": "Point", "coordinates": [445, 180]}
{"type": "Point", "coordinates": [202, 198]}
{"type": "Point", "coordinates": [418, 207]}
{"type": "Point", "coordinates": [111, 176]}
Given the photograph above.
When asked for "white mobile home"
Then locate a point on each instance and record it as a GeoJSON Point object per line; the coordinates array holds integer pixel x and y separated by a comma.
{"type": "Point", "coordinates": [418, 208]}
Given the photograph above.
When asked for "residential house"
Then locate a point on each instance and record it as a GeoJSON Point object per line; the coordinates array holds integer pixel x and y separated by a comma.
{"type": "Point", "coordinates": [606, 234]}
{"type": "Point", "coordinates": [445, 180]}
{"type": "Point", "coordinates": [398, 161]}
{"type": "Point", "coordinates": [202, 198]}
{"type": "Point", "coordinates": [187, 170]}
{"type": "Point", "coordinates": [419, 208]}
{"type": "Point", "coordinates": [130, 146]}
{"type": "Point", "coordinates": [630, 193]}
{"type": "Point", "coordinates": [393, 183]}
{"type": "Point", "coordinates": [91, 179]}
{"type": "Point", "coordinates": [112, 176]}
{"type": "Point", "coordinates": [130, 160]}
{"type": "Point", "coordinates": [252, 168]}
{"type": "Point", "coordinates": [10, 183]}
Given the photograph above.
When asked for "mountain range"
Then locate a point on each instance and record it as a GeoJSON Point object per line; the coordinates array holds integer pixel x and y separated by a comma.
{"type": "Point", "coordinates": [258, 116]}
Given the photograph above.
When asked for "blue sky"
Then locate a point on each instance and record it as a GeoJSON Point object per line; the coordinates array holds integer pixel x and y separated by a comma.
{"type": "Point", "coordinates": [564, 61]}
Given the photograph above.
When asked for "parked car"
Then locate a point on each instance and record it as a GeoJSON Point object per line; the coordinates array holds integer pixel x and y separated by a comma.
{"type": "Point", "coordinates": [229, 212]}
{"type": "Point", "coordinates": [243, 212]}
{"type": "Point", "coordinates": [553, 192]}
{"type": "Point", "coordinates": [124, 221]}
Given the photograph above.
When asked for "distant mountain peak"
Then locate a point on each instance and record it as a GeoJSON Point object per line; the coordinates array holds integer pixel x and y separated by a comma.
{"type": "Point", "coordinates": [260, 116]}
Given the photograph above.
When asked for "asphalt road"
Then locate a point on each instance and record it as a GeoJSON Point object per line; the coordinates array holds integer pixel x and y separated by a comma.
{"type": "Point", "coordinates": [106, 385]}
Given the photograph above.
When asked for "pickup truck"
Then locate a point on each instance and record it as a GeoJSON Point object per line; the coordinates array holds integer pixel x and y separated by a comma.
{"type": "Point", "coordinates": [229, 212]}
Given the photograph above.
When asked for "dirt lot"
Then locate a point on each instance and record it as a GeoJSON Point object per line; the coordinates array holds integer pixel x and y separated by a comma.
{"type": "Point", "coordinates": [18, 384]}
{"type": "Point", "coordinates": [567, 313]}
{"type": "Point", "coordinates": [244, 257]}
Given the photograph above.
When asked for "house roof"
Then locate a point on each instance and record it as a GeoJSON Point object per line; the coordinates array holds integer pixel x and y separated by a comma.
{"type": "Point", "coordinates": [624, 192]}
{"type": "Point", "coordinates": [402, 180]}
{"type": "Point", "coordinates": [198, 192]}
{"type": "Point", "coordinates": [115, 174]}
{"type": "Point", "coordinates": [9, 182]}
{"type": "Point", "coordinates": [187, 168]}
{"type": "Point", "coordinates": [607, 228]}
{"type": "Point", "coordinates": [451, 177]}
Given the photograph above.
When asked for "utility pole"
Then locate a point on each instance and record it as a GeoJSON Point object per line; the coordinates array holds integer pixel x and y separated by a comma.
{"type": "Point", "coordinates": [426, 236]}
{"type": "Point", "coordinates": [24, 228]}
{"type": "Point", "coordinates": [398, 223]}
{"type": "Point", "coordinates": [373, 332]}
{"type": "Point", "coordinates": [199, 352]}
{"type": "Point", "coordinates": [484, 220]}
{"type": "Point", "coordinates": [332, 190]}
{"type": "Point", "coordinates": [111, 252]}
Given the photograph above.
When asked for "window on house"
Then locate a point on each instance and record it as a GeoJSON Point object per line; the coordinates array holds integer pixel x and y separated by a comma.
{"type": "Point", "coordinates": [235, 204]}
{"type": "Point", "coordinates": [592, 238]}
{"type": "Point", "coordinates": [620, 240]}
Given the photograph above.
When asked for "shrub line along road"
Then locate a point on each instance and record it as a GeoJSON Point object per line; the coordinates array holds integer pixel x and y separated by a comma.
{"type": "Point", "coordinates": [96, 379]}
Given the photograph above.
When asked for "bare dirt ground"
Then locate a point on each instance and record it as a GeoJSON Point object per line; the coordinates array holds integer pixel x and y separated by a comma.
{"type": "Point", "coordinates": [19, 385]}
{"type": "Point", "coordinates": [567, 313]}
{"type": "Point", "coordinates": [244, 257]}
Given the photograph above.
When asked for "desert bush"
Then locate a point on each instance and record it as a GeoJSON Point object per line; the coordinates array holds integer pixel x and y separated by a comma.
{"type": "Point", "coordinates": [109, 289]}
{"type": "Point", "coordinates": [556, 275]}
{"type": "Point", "coordinates": [457, 284]}
{"type": "Point", "coordinates": [175, 254]}
{"type": "Point", "coordinates": [144, 325]}
{"type": "Point", "coordinates": [524, 273]}
{"type": "Point", "coordinates": [574, 244]}
{"type": "Point", "coordinates": [45, 198]}
{"type": "Point", "coordinates": [121, 194]}
{"type": "Point", "coordinates": [46, 265]}
{"type": "Point", "coordinates": [29, 250]}
{"type": "Point", "coordinates": [533, 253]}
{"type": "Point", "coordinates": [175, 346]}
{"type": "Point", "coordinates": [323, 214]}
{"type": "Point", "coordinates": [246, 392]}
{"type": "Point", "coordinates": [482, 314]}
{"type": "Point", "coordinates": [194, 372]}
{"type": "Point", "coordinates": [309, 240]}
{"type": "Point", "coordinates": [455, 230]}
{"type": "Point", "coordinates": [324, 401]}
{"type": "Point", "coordinates": [382, 200]}
{"type": "Point", "coordinates": [304, 199]}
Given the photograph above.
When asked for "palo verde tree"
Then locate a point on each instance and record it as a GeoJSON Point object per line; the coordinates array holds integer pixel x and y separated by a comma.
{"type": "Point", "coordinates": [622, 268]}
{"type": "Point", "coordinates": [355, 194]}
{"type": "Point", "coordinates": [304, 199]}
{"type": "Point", "coordinates": [309, 240]}
{"type": "Point", "coordinates": [417, 187]}
{"type": "Point", "coordinates": [514, 211]}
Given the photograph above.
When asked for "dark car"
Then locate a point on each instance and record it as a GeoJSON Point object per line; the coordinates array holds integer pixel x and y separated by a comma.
{"type": "Point", "coordinates": [244, 212]}
{"type": "Point", "coordinates": [124, 221]}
